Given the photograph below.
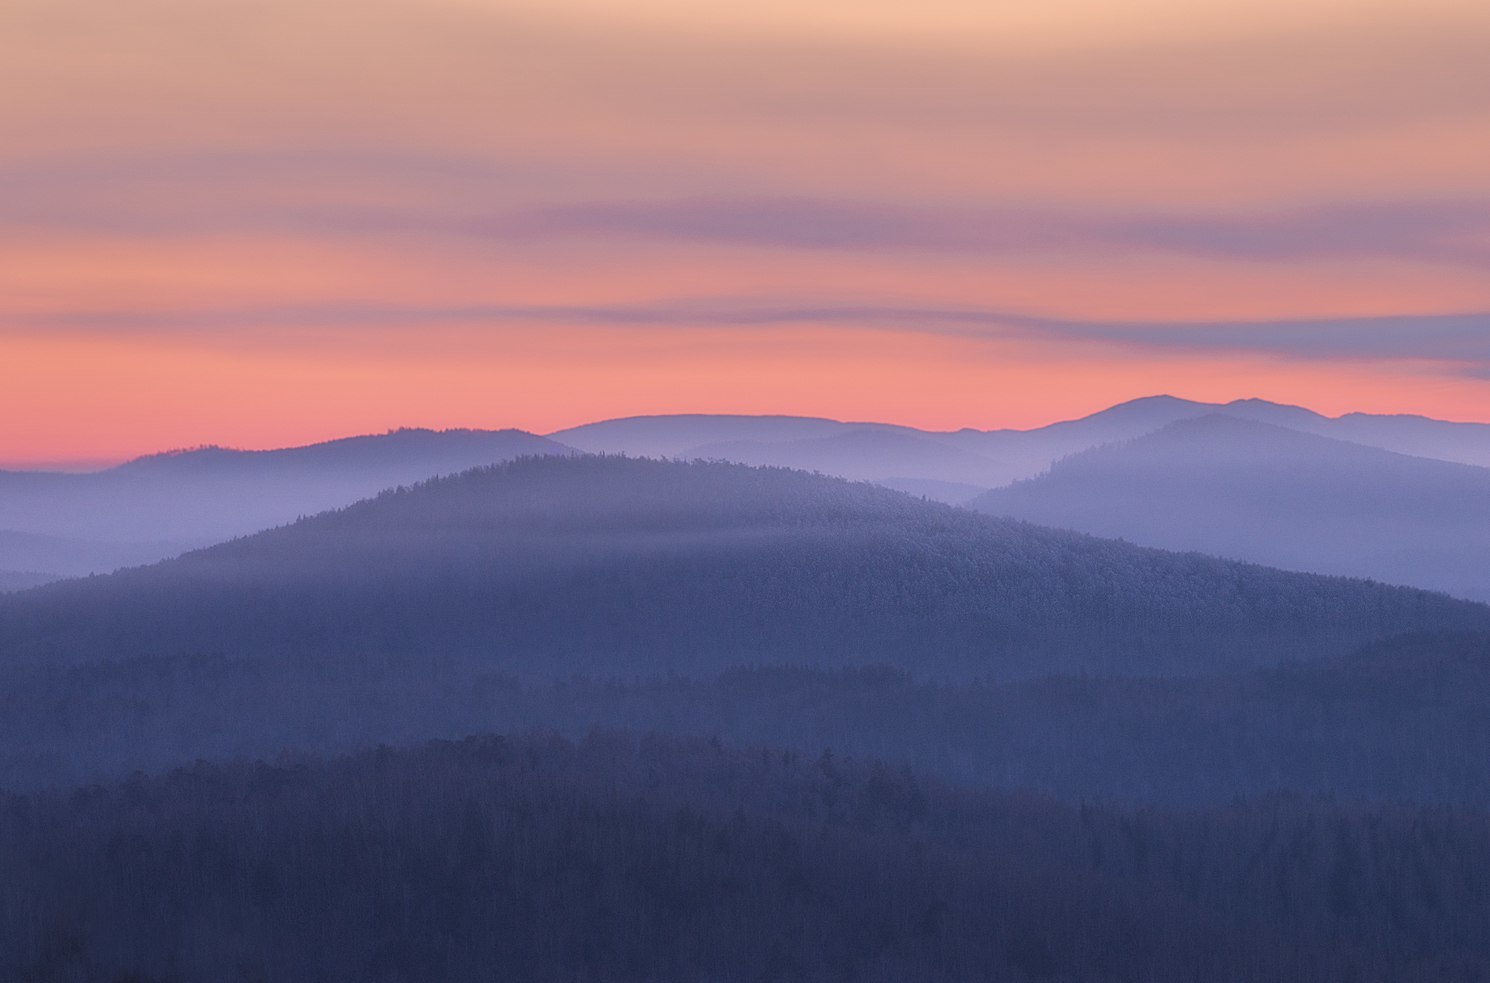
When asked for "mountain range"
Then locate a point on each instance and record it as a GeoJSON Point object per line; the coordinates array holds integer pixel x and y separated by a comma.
{"type": "Point", "coordinates": [962, 461]}
{"type": "Point", "coordinates": [620, 565]}
{"type": "Point", "coordinates": [68, 524]}
{"type": "Point", "coordinates": [1281, 497]}
{"type": "Point", "coordinates": [410, 615]}
{"type": "Point", "coordinates": [1237, 485]}
{"type": "Point", "coordinates": [702, 719]}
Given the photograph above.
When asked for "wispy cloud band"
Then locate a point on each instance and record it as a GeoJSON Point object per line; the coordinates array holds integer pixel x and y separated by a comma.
{"type": "Point", "coordinates": [1456, 232]}
{"type": "Point", "coordinates": [1461, 340]}
{"type": "Point", "coordinates": [1434, 232]}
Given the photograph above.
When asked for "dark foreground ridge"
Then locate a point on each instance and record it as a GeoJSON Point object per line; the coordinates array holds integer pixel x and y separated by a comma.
{"type": "Point", "coordinates": [652, 859]}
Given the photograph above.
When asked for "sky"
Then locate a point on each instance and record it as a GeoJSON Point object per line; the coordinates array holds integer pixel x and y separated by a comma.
{"type": "Point", "coordinates": [267, 223]}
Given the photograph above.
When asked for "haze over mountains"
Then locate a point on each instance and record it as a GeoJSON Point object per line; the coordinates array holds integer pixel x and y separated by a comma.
{"type": "Point", "coordinates": [618, 565]}
{"type": "Point", "coordinates": [1237, 490]}
{"type": "Point", "coordinates": [963, 460]}
{"type": "Point", "coordinates": [1402, 499]}
{"type": "Point", "coordinates": [379, 621]}
{"type": "Point", "coordinates": [66, 524]}
{"type": "Point", "coordinates": [1276, 496]}
{"type": "Point", "coordinates": [13, 580]}
{"type": "Point", "coordinates": [897, 738]}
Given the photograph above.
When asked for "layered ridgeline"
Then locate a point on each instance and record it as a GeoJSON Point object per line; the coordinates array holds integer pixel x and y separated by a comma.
{"type": "Point", "coordinates": [1276, 496]}
{"type": "Point", "coordinates": [63, 525]}
{"type": "Point", "coordinates": [539, 860]}
{"type": "Point", "coordinates": [954, 466]}
{"type": "Point", "coordinates": [450, 608]}
{"type": "Point", "coordinates": [554, 565]}
{"type": "Point", "coordinates": [950, 466]}
{"type": "Point", "coordinates": [161, 505]}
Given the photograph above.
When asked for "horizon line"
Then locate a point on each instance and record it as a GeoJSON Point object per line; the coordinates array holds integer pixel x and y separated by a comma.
{"type": "Point", "coordinates": [96, 464]}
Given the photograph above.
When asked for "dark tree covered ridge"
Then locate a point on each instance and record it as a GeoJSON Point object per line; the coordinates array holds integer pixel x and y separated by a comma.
{"type": "Point", "coordinates": [1401, 721]}
{"type": "Point", "coordinates": [655, 859]}
{"type": "Point", "coordinates": [615, 566]}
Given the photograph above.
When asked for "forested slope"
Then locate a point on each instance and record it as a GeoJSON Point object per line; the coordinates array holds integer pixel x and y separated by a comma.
{"type": "Point", "coordinates": [659, 860]}
{"type": "Point", "coordinates": [1404, 720]}
{"type": "Point", "coordinates": [617, 567]}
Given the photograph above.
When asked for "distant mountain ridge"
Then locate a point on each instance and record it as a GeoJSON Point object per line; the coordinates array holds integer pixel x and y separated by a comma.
{"type": "Point", "coordinates": [686, 435]}
{"type": "Point", "coordinates": [1272, 495]}
{"type": "Point", "coordinates": [406, 453]}
{"type": "Point", "coordinates": [945, 462]}
{"type": "Point", "coordinates": [1431, 531]}
{"type": "Point", "coordinates": [160, 505]}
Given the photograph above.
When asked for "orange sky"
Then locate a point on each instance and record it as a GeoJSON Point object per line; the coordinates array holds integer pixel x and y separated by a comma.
{"type": "Point", "coordinates": [261, 223]}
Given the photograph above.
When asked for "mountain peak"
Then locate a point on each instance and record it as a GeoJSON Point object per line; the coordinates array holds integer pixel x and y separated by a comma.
{"type": "Point", "coordinates": [1266, 409]}
{"type": "Point", "coordinates": [1157, 401]}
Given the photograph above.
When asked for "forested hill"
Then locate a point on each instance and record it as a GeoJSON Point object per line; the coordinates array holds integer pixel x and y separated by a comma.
{"type": "Point", "coordinates": [617, 566]}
